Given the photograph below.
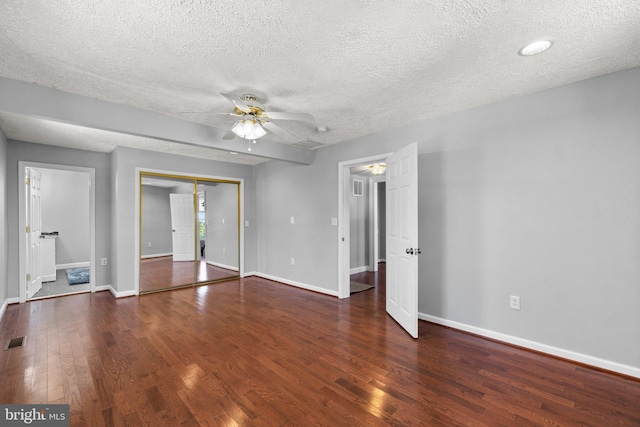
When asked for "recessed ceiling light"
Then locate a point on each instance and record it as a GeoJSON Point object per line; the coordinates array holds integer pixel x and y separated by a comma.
{"type": "Point", "coordinates": [322, 129]}
{"type": "Point", "coordinates": [535, 48]}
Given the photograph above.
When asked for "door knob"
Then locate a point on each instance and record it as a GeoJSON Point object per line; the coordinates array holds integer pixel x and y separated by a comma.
{"type": "Point", "coordinates": [410, 251]}
{"type": "Point", "coordinates": [418, 251]}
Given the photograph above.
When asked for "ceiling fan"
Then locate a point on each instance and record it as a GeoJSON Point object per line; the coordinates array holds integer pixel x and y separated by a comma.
{"type": "Point", "coordinates": [253, 121]}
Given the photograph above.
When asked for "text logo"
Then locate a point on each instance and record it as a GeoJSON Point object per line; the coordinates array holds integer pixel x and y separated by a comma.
{"type": "Point", "coordinates": [34, 415]}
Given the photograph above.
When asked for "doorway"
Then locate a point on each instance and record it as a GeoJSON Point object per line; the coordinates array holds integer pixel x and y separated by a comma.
{"type": "Point", "coordinates": [401, 232]}
{"type": "Point", "coordinates": [367, 213]}
{"type": "Point", "coordinates": [189, 230]}
{"type": "Point", "coordinates": [57, 220]}
{"type": "Point", "coordinates": [348, 172]}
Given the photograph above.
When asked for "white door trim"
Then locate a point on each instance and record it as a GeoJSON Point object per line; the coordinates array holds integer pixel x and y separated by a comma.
{"type": "Point", "coordinates": [374, 224]}
{"type": "Point", "coordinates": [344, 190]}
{"type": "Point", "coordinates": [136, 219]}
{"type": "Point", "coordinates": [22, 197]}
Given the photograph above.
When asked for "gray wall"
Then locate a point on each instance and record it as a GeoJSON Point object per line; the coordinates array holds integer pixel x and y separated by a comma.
{"type": "Point", "coordinates": [156, 221]}
{"type": "Point", "coordinates": [3, 219]}
{"type": "Point", "coordinates": [222, 224]}
{"type": "Point", "coordinates": [537, 196]}
{"type": "Point", "coordinates": [309, 194]}
{"type": "Point", "coordinates": [359, 225]}
{"type": "Point", "coordinates": [65, 209]}
{"type": "Point", "coordinates": [26, 151]}
{"type": "Point", "coordinates": [124, 163]}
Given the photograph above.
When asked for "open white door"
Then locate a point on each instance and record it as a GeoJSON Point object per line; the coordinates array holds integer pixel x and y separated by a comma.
{"type": "Point", "coordinates": [33, 230]}
{"type": "Point", "coordinates": [402, 238]}
{"type": "Point", "coordinates": [182, 226]}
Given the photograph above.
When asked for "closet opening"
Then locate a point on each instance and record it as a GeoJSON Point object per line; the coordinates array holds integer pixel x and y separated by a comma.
{"type": "Point", "coordinates": [189, 231]}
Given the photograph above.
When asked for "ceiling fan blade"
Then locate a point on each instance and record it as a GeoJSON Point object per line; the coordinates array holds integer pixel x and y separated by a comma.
{"type": "Point", "coordinates": [236, 101]}
{"type": "Point", "coordinates": [277, 130]}
{"type": "Point", "coordinates": [237, 116]}
{"type": "Point", "coordinates": [275, 115]}
{"type": "Point", "coordinates": [229, 135]}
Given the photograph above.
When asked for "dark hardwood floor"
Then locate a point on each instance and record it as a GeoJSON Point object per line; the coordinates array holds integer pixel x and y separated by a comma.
{"type": "Point", "coordinates": [162, 273]}
{"type": "Point", "coordinates": [255, 352]}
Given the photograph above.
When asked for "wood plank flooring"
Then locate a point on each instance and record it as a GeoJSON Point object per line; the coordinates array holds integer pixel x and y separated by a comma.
{"type": "Point", "coordinates": [257, 353]}
{"type": "Point", "coordinates": [161, 273]}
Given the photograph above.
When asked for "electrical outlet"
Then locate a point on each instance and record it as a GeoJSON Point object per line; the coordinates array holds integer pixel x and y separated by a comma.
{"type": "Point", "coordinates": [293, 220]}
{"type": "Point", "coordinates": [293, 261]}
{"type": "Point", "coordinates": [103, 261]}
{"type": "Point", "coordinates": [224, 250]}
{"type": "Point", "coordinates": [149, 244]}
{"type": "Point", "coordinates": [514, 302]}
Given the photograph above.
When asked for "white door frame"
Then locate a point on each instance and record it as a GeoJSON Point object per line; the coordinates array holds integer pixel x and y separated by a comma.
{"type": "Point", "coordinates": [22, 200]}
{"type": "Point", "coordinates": [374, 224]}
{"type": "Point", "coordinates": [344, 191]}
{"type": "Point", "coordinates": [137, 230]}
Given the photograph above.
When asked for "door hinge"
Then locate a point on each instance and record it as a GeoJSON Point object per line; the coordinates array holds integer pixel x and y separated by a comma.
{"type": "Point", "coordinates": [28, 277]}
{"type": "Point", "coordinates": [27, 181]}
{"type": "Point", "coordinates": [28, 229]}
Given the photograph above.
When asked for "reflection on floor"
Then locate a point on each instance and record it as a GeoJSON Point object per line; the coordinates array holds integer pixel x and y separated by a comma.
{"type": "Point", "coordinates": [60, 287]}
{"type": "Point", "coordinates": [162, 273]}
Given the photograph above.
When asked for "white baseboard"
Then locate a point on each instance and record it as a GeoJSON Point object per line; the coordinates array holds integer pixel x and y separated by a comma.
{"type": "Point", "coordinates": [359, 269]}
{"type": "Point", "coordinates": [72, 265]}
{"type": "Point", "coordinates": [3, 309]}
{"type": "Point", "coordinates": [103, 288]}
{"type": "Point", "coordinates": [6, 304]}
{"type": "Point", "coordinates": [155, 255]}
{"type": "Point", "coordinates": [297, 284]}
{"type": "Point", "coordinates": [226, 267]}
{"type": "Point", "coordinates": [533, 345]}
{"type": "Point", "coordinates": [117, 294]}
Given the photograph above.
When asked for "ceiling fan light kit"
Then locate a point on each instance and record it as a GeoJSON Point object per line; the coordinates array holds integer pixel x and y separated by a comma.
{"type": "Point", "coordinates": [248, 129]}
{"type": "Point", "coordinates": [378, 168]}
{"type": "Point", "coordinates": [254, 122]}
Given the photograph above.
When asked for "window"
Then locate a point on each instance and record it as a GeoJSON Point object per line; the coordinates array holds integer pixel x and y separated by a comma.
{"type": "Point", "coordinates": [358, 186]}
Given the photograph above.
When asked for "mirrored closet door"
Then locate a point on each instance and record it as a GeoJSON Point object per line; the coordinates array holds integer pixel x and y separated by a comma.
{"type": "Point", "coordinates": [189, 231]}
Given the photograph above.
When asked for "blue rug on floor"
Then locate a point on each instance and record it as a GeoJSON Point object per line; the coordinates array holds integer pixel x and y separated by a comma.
{"type": "Point", "coordinates": [76, 276]}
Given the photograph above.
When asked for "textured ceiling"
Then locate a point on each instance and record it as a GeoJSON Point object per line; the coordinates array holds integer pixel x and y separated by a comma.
{"type": "Point", "coordinates": [359, 67]}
